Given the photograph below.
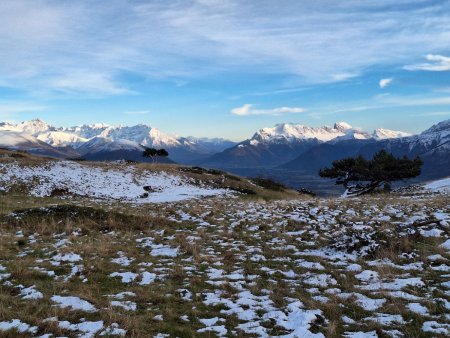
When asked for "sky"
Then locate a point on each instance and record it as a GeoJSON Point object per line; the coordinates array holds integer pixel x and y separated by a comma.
{"type": "Point", "coordinates": [214, 68]}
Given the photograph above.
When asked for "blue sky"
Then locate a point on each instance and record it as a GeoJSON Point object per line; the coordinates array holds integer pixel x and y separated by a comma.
{"type": "Point", "coordinates": [226, 68]}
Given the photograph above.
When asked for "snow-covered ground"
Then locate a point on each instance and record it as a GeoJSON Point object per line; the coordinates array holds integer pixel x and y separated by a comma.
{"type": "Point", "coordinates": [439, 185]}
{"type": "Point", "coordinates": [377, 267]}
{"type": "Point", "coordinates": [124, 182]}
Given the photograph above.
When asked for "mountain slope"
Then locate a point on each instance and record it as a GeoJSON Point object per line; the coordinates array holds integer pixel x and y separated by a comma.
{"type": "Point", "coordinates": [323, 154]}
{"type": "Point", "coordinates": [382, 134]}
{"type": "Point", "coordinates": [106, 149]}
{"type": "Point", "coordinates": [22, 141]}
{"type": "Point", "coordinates": [432, 145]}
{"type": "Point", "coordinates": [271, 147]}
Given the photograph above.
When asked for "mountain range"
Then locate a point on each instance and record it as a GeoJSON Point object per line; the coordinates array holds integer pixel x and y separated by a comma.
{"type": "Point", "coordinates": [271, 147]}
{"type": "Point", "coordinates": [105, 142]}
{"type": "Point", "coordinates": [292, 153]}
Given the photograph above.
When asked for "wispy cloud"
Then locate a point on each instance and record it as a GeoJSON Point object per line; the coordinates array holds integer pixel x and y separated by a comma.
{"type": "Point", "coordinates": [248, 109]}
{"type": "Point", "coordinates": [438, 63]}
{"type": "Point", "coordinates": [86, 82]}
{"type": "Point", "coordinates": [385, 82]}
{"type": "Point", "coordinates": [71, 46]}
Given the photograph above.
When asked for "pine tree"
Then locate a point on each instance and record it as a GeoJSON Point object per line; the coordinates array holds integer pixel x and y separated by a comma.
{"type": "Point", "coordinates": [360, 176]}
{"type": "Point", "coordinates": [154, 153]}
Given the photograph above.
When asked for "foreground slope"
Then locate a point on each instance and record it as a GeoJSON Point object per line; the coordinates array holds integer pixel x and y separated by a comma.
{"type": "Point", "coordinates": [224, 265]}
{"type": "Point", "coordinates": [118, 181]}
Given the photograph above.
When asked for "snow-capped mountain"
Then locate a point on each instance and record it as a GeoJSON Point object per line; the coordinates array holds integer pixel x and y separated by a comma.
{"type": "Point", "coordinates": [33, 127]}
{"type": "Point", "coordinates": [284, 142]}
{"type": "Point", "coordinates": [294, 132]}
{"type": "Point", "coordinates": [432, 145]}
{"type": "Point", "coordinates": [61, 139]}
{"type": "Point", "coordinates": [382, 134]}
{"type": "Point", "coordinates": [181, 149]}
{"type": "Point", "coordinates": [22, 141]}
{"type": "Point", "coordinates": [142, 134]}
{"type": "Point", "coordinates": [105, 144]}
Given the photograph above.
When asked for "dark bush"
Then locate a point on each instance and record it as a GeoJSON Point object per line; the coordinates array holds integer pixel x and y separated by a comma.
{"type": "Point", "coordinates": [268, 183]}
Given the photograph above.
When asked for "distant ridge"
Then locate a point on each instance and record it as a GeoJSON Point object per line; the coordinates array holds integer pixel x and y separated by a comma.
{"type": "Point", "coordinates": [284, 142]}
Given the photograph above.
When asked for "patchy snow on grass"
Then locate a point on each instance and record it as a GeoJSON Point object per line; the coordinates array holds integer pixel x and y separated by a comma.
{"type": "Point", "coordinates": [418, 308]}
{"type": "Point", "coordinates": [275, 267]}
{"type": "Point", "coordinates": [122, 259]}
{"type": "Point", "coordinates": [74, 303]}
{"type": "Point", "coordinates": [367, 276]}
{"type": "Point", "coordinates": [360, 334]}
{"type": "Point", "coordinates": [396, 285]}
{"type": "Point", "coordinates": [31, 293]}
{"type": "Point", "coordinates": [126, 277]}
{"type": "Point", "coordinates": [435, 327]}
{"type": "Point", "coordinates": [386, 319]}
{"type": "Point", "coordinates": [147, 278]}
{"type": "Point", "coordinates": [69, 257]}
{"type": "Point", "coordinates": [91, 181]}
{"type": "Point", "coordinates": [368, 304]}
{"type": "Point", "coordinates": [17, 324]}
{"type": "Point", "coordinates": [446, 245]}
{"type": "Point", "coordinates": [163, 251]}
{"type": "Point", "coordinates": [113, 330]}
{"type": "Point", "coordinates": [88, 329]}
{"type": "Point", "coordinates": [126, 305]}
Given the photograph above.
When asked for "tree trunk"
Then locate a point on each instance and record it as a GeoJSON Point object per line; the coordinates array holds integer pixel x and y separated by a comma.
{"type": "Point", "coordinates": [358, 190]}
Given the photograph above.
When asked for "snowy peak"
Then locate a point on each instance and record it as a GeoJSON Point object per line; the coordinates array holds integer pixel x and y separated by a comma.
{"type": "Point", "coordinates": [61, 139]}
{"type": "Point", "coordinates": [383, 134]}
{"type": "Point", "coordinates": [297, 132]}
{"type": "Point", "coordinates": [33, 127]}
{"type": "Point", "coordinates": [342, 126]}
{"type": "Point", "coordinates": [340, 131]}
{"type": "Point", "coordinates": [443, 126]}
{"type": "Point", "coordinates": [89, 131]}
{"type": "Point", "coordinates": [353, 134]}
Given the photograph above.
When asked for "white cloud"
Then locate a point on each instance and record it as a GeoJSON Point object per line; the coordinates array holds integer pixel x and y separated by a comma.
{"type": "Point", "coordinates": [45, 43]}
{"type": "Point", "coordinates": [385, 82]}
{"type": "Point", "coordinates": [247, 109]}
{"type": "Point", "coordinates": [438, 63]}
{"type": "Point", "coordinates": [83, 81]}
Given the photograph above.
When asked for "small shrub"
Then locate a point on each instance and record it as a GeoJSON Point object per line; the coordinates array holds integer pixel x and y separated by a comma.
{"type": "Point", "coordinates": [268, 183]}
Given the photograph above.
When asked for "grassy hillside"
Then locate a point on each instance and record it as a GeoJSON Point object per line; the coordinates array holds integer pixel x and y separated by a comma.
{"type": "Point", "coordinates": [232, 264]}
